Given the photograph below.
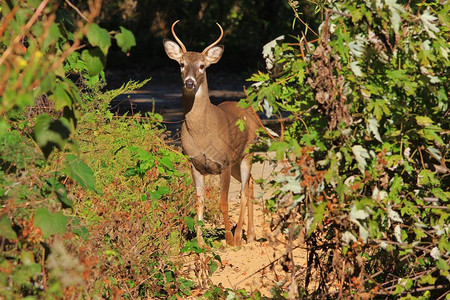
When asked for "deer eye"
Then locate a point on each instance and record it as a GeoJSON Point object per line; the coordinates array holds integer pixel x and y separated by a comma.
{"type": "Point", "coordinates": [202, 66]}
{"type": "Point", "coordinates": [182, 65]}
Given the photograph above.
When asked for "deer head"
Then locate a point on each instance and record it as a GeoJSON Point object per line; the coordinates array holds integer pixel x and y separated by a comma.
{"type": "Point", "coordinates": [193, 64]}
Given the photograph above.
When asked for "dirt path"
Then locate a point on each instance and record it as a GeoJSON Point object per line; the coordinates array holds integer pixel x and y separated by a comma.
{"type": "Point", "coordinates": [257, 265]}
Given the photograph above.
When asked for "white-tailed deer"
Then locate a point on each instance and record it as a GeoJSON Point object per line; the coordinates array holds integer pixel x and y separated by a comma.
{"type": "Point", "coordinates": [210, 136]}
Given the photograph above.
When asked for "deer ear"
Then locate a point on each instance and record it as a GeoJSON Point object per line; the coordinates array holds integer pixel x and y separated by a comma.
{"type": "Point", "coordinates": [214, 54]}
{"type": "Point", "coordinates": [173, 50]}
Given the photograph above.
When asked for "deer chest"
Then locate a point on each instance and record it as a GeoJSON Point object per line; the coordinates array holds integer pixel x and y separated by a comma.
{"type": "Point", "coordinates": [206, 165]}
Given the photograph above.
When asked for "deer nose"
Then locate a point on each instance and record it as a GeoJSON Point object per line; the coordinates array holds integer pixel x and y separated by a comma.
{"type": "Point", "coordinates": [189, 84]}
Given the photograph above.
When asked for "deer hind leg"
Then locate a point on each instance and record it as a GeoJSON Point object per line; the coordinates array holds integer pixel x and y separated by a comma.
{"type": "Point", "coordinates": [199, 181]}
{"type": "Point", "coordinates": [251, 199]}
{"type": "Point", "coordinates": [245, 174]}
{"type": "Point", "coordinates": [225, 177]}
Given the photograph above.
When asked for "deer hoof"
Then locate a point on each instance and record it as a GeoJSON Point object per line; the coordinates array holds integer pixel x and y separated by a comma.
{"type": "Point", "coordinates": [250, 238]}
{"type": "Point", "coordinates": [229, 238]}
{"type": "Point", "coordinates": [238, 239]}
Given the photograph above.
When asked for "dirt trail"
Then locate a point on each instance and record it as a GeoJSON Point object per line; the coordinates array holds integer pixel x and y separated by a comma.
{"type": "Point", "coordinates": [257, 265]}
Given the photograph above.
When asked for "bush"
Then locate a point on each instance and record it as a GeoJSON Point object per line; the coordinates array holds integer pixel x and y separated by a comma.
{"type": "Point", "coordinates": [367, 152]}
{"type": "Point", "coordinates": [116, 233]}
{"type": "Point", "coordinates": [136, 223]}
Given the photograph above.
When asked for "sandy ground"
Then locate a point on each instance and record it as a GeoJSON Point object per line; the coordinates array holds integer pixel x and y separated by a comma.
{"type": "Point", "coordinates": [255, 266]}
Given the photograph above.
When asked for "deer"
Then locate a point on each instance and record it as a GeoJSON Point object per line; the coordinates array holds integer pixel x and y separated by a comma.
{"type": "Point", "coordinates": [210, 138]}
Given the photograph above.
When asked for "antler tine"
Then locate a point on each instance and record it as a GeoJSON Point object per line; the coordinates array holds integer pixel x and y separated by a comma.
{"type": "Point", "coordinates": [216, 42]}
{"type": "Point", "coordinates": [183, 48]}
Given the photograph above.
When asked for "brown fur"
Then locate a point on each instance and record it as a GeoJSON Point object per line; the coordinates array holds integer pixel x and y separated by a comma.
{"type": "Point", "coordinates": [211, 138]}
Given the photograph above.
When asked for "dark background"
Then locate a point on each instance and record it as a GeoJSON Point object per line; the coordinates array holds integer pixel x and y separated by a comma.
{"type": "Point", "coordinates": [248, 25]}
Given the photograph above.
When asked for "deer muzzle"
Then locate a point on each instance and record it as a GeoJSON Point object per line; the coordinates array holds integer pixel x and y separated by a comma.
{"type": "Point", "coordinates": [189, 83]}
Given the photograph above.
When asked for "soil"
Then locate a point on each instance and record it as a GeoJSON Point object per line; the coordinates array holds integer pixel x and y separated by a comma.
{"type": "Point", "coordinates": [256, 266]}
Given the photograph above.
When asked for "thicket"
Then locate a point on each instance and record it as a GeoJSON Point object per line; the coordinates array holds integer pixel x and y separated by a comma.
{"type": "Point", "coordinates": [365, 183]}
{"type": "Point", "coordinates": [92, 204]}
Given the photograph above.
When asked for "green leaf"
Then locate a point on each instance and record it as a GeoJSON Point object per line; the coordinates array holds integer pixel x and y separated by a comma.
{"type": "Point", "coordinates": [166, 162]}
{"type": "Point", "coordinates": [48, 83]}
{"type": "Point", "coordinates": [319, 213]}
{"type": "Point", "coordinates": [53, 35]}
{"type": "Point", "coordinates": [51, 134]}
{"type": "Point", "coordinates": [61, 192]}
{"type": "Point", "coordinates": [82, 232]}
{"type": "Point", "coordinates": [80, 172]}
{"type": "Point", "coordinates": [241, 124]}
{"type": "Point", "coordinates": [125, 39]}
{"type": "Point", "coordinates": [378, 108]}
{"type": "Point", "coordinates": [27, 258]}
{"type": "Point", "coordinates": [159, 192]}
{"type": "Point", "coordinates": [280, 148]}
{"type": "Point", "coordinates": [424, 120]}
{"type": "Point", "coordinates": [50, 223]}
{"type": "Point", "coordinates": [442, 264]}
{"type": "Point", "coordinates": [213, 266]}
{"type": "Point", "coordinates": [98, 36]}
{"type": "Point", "coordinates": [427, 177]}
{"type": "Point", "coordinates": [95, 61]}
{"type": "Point", "coordinates": [431, 135]}
{"type": "Point", "coordinates": [428, 279]}
{"type": "Point", "coordinates": [6, 229]}
{"type": "Point", "coordinates": [190, 223]}
{"type": "Point", "coordinates": [60, 97]}
{"type": "Point", "coordinates": [192, 246]}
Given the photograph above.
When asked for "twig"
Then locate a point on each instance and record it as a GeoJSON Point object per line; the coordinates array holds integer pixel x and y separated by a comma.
{"type": "Point", "coordinates": [443, 295]}
{"type": "Point", "coordinates": [420, 7]}
{"type": "Point", "coordinates": [300, 19]}
{"type": "Point", "coordinates": [44, 274]}
{"type": "Point", "coordinates": [173, 122]}
{"type": "Point", "coordinates": [293, 289]}
{"type": "Point", "coordinates": [418, 290]}
{"type": "Point", "coordinates": [128, 290]}
{"type": "Point", "coordinates": [339, 13]}
{"type": "Point", "coordinates": [341, 286]}
{"type": "Point", "coordinates": [8, 19]}
{"type": "Point", "coordinates": [262, 268]}
{"type": "Point", "coordinates": [78, 11]}
{"type": "Point", "coordinates": [24, 29]}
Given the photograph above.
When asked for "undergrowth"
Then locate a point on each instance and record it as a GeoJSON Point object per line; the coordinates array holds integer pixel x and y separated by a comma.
{"type": "Point", "coordinates": [136, 218]}
{"type": "Point", "coordinates": [92, 204]}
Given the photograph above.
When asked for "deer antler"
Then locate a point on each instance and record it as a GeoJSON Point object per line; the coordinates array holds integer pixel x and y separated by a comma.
{"type": "Point", "coordinates": [216, 42]}
{"type": "Point", "coordinates": [183, 48]}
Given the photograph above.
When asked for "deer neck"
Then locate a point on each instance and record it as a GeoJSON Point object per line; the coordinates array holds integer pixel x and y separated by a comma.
{"type": "Point", "coordinates": [196, 104]}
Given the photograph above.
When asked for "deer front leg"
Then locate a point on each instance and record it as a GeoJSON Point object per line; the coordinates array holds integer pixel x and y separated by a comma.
{"type": "Point", "coordinates": [245, 170]}
{"type": "Point", "coordinates": [199, 181]}
{"type": "Point", "coordinates": [251, 199]}
{"type": "Point", "coordinates": [225, 177]}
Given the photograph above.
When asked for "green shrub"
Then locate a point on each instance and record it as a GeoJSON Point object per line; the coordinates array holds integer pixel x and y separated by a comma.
{"type": "Point", "coordinates": [116, 233]}
{"type": "Point", "coordinates": [136, 223]}
{"type": "Point", "coordinates": [367, 150]}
